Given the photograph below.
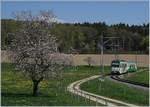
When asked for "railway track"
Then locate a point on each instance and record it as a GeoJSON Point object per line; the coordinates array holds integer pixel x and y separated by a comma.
{"type": "Point", "coordinates": [116, 77]}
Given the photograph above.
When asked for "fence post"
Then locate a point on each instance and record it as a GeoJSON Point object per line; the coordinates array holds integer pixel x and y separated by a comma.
{"type": "Point", "coordinates": [65, 90]}
{"type": "Point", "coordinates": [73, 93]}
{"type": "Point", "coordinates": [78, 95]}
{"type": "Point", "coordinates": [85, 99]}
{"type": "Point", "coordinates": [106, 102]}
{"type": "Point", "coordinates": [96, 101]}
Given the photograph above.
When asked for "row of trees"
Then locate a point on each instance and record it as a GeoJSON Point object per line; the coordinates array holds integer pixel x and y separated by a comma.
{"type": "Point", "coordinates": [85, 37]}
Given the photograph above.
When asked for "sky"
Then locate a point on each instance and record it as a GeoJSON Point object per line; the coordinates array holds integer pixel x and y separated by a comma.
{"type": "Point", "coordinates": [112, 12]}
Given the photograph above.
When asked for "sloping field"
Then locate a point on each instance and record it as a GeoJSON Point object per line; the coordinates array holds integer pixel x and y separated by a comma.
{"type": "Point", "coordinates": [142, 77]}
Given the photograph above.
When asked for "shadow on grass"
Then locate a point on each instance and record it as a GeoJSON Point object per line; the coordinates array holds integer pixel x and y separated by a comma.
{"type": "Point", "coordinates": [26, 99]}
{"type": "Point", "coordinates": [16, 94]}
{"type": "Point", "coordinates": [4, 94]}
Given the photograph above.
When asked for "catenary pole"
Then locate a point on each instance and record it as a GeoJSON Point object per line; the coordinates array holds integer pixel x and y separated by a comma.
{"type": "Point", "coordinates": [102, 52]}
{"type": "Point", "coordinates": [102, 43]}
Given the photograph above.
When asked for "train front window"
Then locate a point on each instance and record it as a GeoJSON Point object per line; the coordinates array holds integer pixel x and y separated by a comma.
{"type": "Point", "coordinates": [115, 65]}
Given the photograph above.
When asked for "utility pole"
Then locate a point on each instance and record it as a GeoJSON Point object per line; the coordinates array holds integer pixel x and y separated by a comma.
{"type": "Point", "coordinates": [102, 43]}
{"type": "Point", "coordinates": [116, 49]}
{"type": "Point", "coordinates": [136, 58]}
{"type": "Point", "coordinates": [102, 52]}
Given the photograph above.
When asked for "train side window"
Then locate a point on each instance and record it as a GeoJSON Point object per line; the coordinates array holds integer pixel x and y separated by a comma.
{"type": "Point", "coordinates": [133, 66]}
{"type": "Point", "coordinates": [130, 66]}
{"type": "Point", "coordinates": [125, 65]}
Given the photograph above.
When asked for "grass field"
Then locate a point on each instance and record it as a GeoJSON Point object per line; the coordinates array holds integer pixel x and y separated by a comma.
{"type": "Point", "coordinates": [17, 90]}
{"type": "Point", "coordinates": [142, 77]}
{"type": "Point", "coordinates": [117, 91]}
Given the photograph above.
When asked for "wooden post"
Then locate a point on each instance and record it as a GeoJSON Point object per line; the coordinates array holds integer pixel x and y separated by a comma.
{"type": "Point", "coordinates": [89, 99]}
{"type": "Point", "coordinates": [106, 102]}
{"type": "Point", "coordinates": [85, 98]}
{"type": "Point", "coordinates": [96, 102]}
{"type": "Point", "coordinates": [78, 95]}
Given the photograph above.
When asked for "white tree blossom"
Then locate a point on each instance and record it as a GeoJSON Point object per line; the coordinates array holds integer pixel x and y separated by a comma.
{"type": "Point", "coordinates": [35, 49]}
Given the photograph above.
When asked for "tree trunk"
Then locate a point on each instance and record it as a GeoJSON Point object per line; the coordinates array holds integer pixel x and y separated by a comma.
{"type": "Point", "coordinates": [35, 88]}
{"type": "Point", "coordinates": [89, 65]}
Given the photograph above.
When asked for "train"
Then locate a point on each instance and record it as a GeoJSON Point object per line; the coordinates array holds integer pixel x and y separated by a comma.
{"type": "Point", "coordinates": [122, 66]}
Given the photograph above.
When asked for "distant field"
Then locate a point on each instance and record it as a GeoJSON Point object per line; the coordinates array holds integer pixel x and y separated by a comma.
{"type": "Point", "coordinates": [117, 91]}
{"type": "Point", "coordinates": [79, 59]}
{"type": "Point", "coordinates": [142, 77]}
{"type": "Point", "coordinates": [17, 90]}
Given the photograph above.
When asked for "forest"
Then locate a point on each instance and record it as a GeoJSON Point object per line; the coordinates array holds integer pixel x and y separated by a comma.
{"type": "Point", "coordinates": [84, 38]}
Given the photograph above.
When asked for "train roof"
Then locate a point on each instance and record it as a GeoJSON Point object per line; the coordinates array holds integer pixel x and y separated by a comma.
{"type": "Point", "coordinates": [131, 62]}
{"type": "Point", "coordinates": [117, 60]}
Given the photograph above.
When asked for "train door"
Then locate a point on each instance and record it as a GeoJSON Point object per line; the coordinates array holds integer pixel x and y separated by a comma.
{"type": "Point", "coordinates": [123, 67]}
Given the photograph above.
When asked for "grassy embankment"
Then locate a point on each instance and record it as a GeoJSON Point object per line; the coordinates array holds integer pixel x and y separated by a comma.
{"type": "Point", "coordinates": [142, 77]}
{"type": "Point", "coordinates": [120, 91]}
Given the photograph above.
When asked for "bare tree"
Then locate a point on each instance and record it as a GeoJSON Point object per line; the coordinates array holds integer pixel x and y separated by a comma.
{"type": "Point", "coordinates": [89, 61]}
{"type": "Point", "coordinates": [34, 49]}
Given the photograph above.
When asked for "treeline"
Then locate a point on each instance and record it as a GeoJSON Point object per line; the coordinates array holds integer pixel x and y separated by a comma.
{"type": "Point", "coordinates": [86, 37]}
